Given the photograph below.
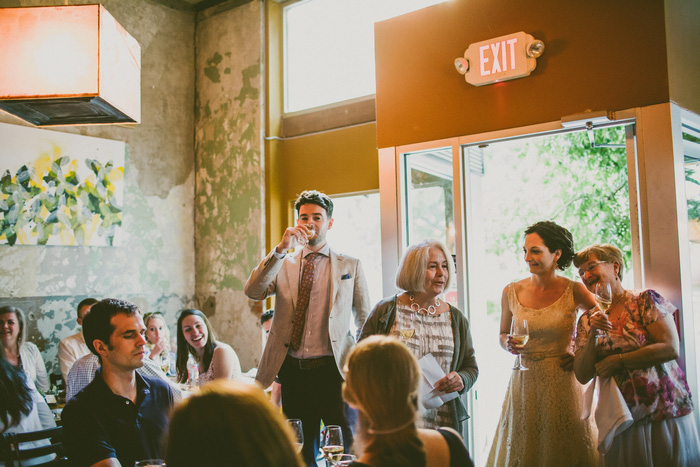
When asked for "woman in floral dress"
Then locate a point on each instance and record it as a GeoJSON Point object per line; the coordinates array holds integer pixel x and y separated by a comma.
{"type": "Point", "coordinates": [639, 350]}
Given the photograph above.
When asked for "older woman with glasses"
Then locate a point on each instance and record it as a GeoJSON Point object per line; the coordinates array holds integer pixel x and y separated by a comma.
{"type": "Point", "coordinates": [636, 343]}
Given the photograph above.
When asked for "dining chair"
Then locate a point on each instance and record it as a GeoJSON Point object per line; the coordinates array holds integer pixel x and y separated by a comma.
{"type": "Point", "coordinates": [15, 455]}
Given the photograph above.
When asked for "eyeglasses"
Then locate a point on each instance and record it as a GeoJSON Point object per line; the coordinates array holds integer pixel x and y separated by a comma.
{"type": "Point", "coordinates": [590, 268]}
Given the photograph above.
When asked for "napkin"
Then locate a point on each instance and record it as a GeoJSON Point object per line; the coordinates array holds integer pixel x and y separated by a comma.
{"type": "Point", "coordinates": [432, 373]}
{"type": "Point", "coordinates": [611, 415]}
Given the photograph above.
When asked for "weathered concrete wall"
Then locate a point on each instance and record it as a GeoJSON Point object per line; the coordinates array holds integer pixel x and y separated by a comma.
{"type": "Point", "coordinates": [229, 200]}
{"type": "Point", "coordinates": [154, 267]}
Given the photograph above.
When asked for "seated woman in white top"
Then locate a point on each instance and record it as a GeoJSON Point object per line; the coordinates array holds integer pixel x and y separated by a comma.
{"type": "Point", "coordinates": [22, 409]}
{"type": "Point", "coordinates": [195, 337]}
{"type": "Point", "coordinates": [22, 355]}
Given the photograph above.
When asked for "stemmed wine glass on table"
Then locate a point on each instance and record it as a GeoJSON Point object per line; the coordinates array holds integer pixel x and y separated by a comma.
{"type": "Point", "coordinates": [603, 298]}
{"type": "Point", "coordinates": [332, 443]}
{"type": "Point", "coordinates": [519, 334]}
{"type": "Point", "coordinates": [298, 430]}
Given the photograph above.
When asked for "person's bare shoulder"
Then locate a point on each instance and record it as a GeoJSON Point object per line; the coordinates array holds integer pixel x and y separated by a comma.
{"type": "Point", "coordinates": [437, 452]}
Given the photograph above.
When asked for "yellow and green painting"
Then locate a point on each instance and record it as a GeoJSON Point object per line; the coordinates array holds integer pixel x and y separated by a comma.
{"type": "Point", "coordinates": [59, 188]}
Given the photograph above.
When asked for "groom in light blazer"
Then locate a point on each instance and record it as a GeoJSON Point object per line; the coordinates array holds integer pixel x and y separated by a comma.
{"type": "Point", "coordinates": [317, 293]}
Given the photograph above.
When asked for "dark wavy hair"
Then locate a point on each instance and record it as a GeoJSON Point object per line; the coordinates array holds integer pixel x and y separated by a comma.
{"type": "Point", "coordinates": [15, 398]}
{"type": "Point", "coordinates": [184, 349]}
{"type": "Point", "coordinates": [317, 198]}
{"type": "Point", "coordinates": [555, 237]}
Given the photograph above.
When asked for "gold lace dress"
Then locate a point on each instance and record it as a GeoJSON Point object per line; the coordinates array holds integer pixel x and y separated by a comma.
{"type": "Point", "coordinates": [540, 421]}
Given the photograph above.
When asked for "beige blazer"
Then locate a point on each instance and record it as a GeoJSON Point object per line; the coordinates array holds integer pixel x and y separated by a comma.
{"type": "Point", "coordinates": [348, 298]}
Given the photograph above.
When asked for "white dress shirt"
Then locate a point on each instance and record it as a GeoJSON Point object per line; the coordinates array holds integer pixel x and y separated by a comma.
{"type": "Point", "coordinates": [33, 365]}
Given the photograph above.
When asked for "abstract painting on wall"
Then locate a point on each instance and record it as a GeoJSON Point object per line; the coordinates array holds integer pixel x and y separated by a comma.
{"type": "Point", "coordinates": [59, 188]}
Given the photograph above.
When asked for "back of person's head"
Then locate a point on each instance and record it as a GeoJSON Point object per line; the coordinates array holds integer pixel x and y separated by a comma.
{"type": "Point", "coordinates": [317, 198]}
{"type": "Point", "coordinates": [381, 381]}
{"type": "Point", "coordinates": [15, 398]}
{"type": "Point", "coordinates": [184, 349]}
{"type": "Point", "coordinates": [230, 423]}
{"type": "Point", "coordinates": [98, 323]}
{"type": "Point", "coordinates": [88, 302]}
{"type": "Point", "coordinates": [555, 237]}
{"type": "Point", "coordinates": [410, 275]}
{"type": "Point", "coordinates": [19, 316]}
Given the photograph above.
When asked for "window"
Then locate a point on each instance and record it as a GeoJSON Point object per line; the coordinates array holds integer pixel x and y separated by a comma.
{"type": "Point", "coordinates": [329, 48]}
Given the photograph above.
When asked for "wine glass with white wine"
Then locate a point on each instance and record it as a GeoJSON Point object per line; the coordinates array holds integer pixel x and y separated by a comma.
{"type": "Point", "coordinates": [603, 298]}
{"type": "Point", "coordinates": [298, 430]}
{"type": "Point", "coordinates": [406, 330]}
{"type": "Point", "coordinates": [519, 334]}
{"type": "Point", "coordinates": [332, 443]}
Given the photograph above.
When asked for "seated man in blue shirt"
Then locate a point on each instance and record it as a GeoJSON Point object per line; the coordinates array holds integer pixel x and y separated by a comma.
{"type": "Point", "coordinates": [120, 417]}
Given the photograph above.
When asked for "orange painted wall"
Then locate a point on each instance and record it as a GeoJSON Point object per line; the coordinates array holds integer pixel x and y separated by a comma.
{"type": "Point", "coordinates": [600, 55]}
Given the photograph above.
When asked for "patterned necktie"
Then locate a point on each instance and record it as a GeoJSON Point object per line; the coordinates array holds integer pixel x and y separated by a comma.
{"type": "Point", "coordinates": [307, 281]}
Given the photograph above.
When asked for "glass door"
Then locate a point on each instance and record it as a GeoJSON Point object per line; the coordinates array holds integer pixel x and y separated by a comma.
{"type": "Point", "coordinates": [577, 179]}
{"type": "Point", "coordinates": [691, 161]}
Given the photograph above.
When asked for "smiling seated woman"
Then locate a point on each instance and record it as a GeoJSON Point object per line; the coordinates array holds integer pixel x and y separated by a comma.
{"type": "Point", "coordinates": [196, 337]}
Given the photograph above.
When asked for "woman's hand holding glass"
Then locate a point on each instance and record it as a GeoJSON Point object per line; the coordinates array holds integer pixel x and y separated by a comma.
{"type": "Point", "coordinates": [517, 339]}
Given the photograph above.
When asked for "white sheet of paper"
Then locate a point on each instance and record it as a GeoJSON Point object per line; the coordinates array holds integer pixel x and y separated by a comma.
{"type": "Point", "coordinates": [432, 373]}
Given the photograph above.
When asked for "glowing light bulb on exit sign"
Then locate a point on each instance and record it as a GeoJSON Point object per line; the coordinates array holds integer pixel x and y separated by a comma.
{"type": "Point", "coordinates": [500, 59]}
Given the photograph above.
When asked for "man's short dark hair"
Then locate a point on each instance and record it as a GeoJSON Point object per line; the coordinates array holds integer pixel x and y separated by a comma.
{"type": "Point", "coordinates": [87, 302]}
{"type": "Point", "coordinates": [98, 323]}
{"type": "Point", "coordinates": [267, 316]}
{"type": "Point", "coordinates": [317, 198]}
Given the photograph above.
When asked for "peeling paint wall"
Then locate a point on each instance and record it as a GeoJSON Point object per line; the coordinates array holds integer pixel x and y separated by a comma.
{"type": "Point", "coordinates": [228, 199]}
{"type": "Point", "coordinates": [154, 267]}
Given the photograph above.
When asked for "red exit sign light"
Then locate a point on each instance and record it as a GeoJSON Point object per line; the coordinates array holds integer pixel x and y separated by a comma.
{"type": "Point", "coordinates": [500, 59]}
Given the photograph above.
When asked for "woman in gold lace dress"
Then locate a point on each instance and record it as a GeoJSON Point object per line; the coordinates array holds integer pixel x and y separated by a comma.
{"type": "Point", "coordinates": [541, 417]}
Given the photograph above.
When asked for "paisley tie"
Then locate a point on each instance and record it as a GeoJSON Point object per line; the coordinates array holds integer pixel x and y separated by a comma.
{"type": "Point", "coordinates": [307, 281]}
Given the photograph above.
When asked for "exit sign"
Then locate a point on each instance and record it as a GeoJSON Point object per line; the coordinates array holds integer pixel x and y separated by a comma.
{"type": "Point", "coordinates": [500, 59]}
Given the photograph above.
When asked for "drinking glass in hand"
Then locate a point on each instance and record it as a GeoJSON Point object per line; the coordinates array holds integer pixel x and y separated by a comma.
{"type": "Point", "coordinates": [332, 443]}
{"type": "Point", "coordinates": [603, 298]}
{"type": "Point", "coordinates": [298, 430]}
{"type": "Point", "coordinates": [519, 334]}
{"type": "Point", "coordinates": [407, 331]}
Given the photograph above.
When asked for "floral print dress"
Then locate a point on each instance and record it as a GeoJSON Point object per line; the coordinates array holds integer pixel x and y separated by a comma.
{"type": "Point", "coordinates": [656, 393]}
{"type": "Point", "coordinates": [664, 431]}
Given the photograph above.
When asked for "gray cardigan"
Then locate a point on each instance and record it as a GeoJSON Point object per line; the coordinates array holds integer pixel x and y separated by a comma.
{"type": "Point", "coordinates": [463, 362]}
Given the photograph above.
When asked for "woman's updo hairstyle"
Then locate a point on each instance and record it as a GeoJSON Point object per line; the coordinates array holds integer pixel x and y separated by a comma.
{"type": "Point", "coordinates": [555, 237]}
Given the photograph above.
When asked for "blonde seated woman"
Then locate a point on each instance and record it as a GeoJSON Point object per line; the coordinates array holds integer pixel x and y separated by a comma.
{"type": "Point", "coordinates": [158, 338]}
{"type": "Point", "coordinates": [381, 382]}
{"type": "Point", "coordinates": [230, 423]}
